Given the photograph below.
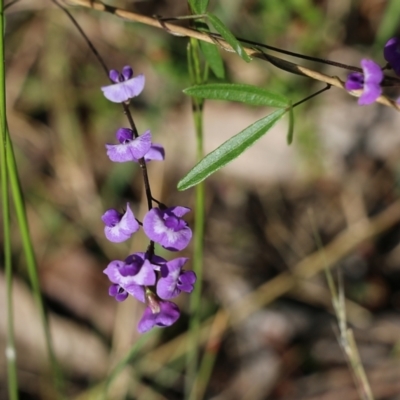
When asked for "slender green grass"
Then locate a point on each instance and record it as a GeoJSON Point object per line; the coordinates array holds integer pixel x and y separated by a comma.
{"type": "Point", "coordinates": [10, 349]}
{"type": "Point", "coordinates": [11, 169]}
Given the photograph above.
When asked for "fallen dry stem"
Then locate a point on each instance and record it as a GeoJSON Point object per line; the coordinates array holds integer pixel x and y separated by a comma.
{"type": "Point", "coordinates": [205, 37]}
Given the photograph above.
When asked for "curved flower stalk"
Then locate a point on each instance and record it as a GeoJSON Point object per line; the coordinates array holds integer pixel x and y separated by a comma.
{"type": "Point", "coordinates": [144, 275]}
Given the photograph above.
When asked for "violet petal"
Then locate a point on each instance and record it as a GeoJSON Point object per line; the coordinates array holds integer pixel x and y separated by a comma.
{"type": "Point", "coordinates": [124, 91]}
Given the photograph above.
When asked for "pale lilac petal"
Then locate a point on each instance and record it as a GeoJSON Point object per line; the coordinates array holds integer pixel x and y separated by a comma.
{"type": "Point", "coordinates": [155, 227]}
{"type": "Point", "coordinates": [155, 153]}
{"type": "Point", "coordinates": [146, 276]}
{"type": "Point", "coordinates": [179, 211]}
{"type": "Point", "coordinates": [147, 321]}
{"type": "Point", "coordinates": [370, 94]}
{"type": "Point", "coordinates": [112, 271]}
{"type": "Point", "coordinates": [130, 150]}
{"type": "Point", "coordinates": [124, 91]}
{"type": "Point", "coordinates": [369, 81]}
{"type": "Point", "coordinates": [168, 315]}
{"type": "Point", "coordinates": [137, 291]}
{"type": "Point", "coordinates": [174, 280]}
{"type": "Point", "coordinates": [124, 229]}
{"type": "Point", "coordinates": [115, 234]}
{"type": "Point", "coordinates": [128, 222]}
{"type": "Point", "coordinates": [372, 71]}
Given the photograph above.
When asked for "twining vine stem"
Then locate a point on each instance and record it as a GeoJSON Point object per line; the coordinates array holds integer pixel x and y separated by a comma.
{"type": "Point", "coordinates": [254, 51]}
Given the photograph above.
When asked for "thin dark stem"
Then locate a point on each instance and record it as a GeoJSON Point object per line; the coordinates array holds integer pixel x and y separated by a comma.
{"type": "Point", "coordinates": [87, 40]}
{"type": "Point", "coordinates": [327, 87]}
{"type": "Point", "coordinates": [304, 57]}
{"type": "Point", "coordinates": [297, 55]}
{"type": "Point", "coordinates": [142, 162]}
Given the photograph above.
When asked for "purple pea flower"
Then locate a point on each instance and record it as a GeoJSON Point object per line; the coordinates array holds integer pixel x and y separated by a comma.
{"type": "Point", "coordinates": [118, 292]}
{"type": "Point", "coordinates": [158, 313]}
{"type": "Point", "coordinates": [391, 53]}
{"type": "Point", "coordinates": [167, 228]}
{"type": "Point", "coordinates": [119, 227]}
{"type": "Point", "coordinates": [156, 153]}
{"type": "Point", "coordinates": [126, 86]}
{"type": "Point", "coordinates": [129, 149]}
{"type": "Point", "coordinates": [174, 279]}
{"type": "Point", "coordinates": [369, 80]}
{"type": "Point", "coordinates": [132, 275]}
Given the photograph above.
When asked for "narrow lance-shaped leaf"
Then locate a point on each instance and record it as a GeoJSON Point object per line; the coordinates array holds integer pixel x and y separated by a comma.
{"type": "Point", "coordinates": [290, 133]}
{"type": "Point", "coordinates": [229, 150]}
{"type": "Point", "coordinates": [198, 6]}
{"type": "Point", "coordinates": [228, 36]}
{"type": "Point", "coordinates": [247, 94]}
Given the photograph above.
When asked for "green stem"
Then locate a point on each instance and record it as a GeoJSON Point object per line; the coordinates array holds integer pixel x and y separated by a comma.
{"type": "Point", "coordinates": [30, 259]}
{"type": "Point", "coordinates": [198, 244]}
{"type": "Point", "coordinates": [10, 349]}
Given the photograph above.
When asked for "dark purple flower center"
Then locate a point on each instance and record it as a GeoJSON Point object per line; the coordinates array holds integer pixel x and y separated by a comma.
{"type": "Point", "coordinates": [118, 292]}
{"type": "Point", "coordinates": [174, 223]}
{"type": "Point", "coordinates": [124, 135]}
{"type": "Point", "coordinates": [111, 217]}
{"type": "Point", "coordinates": [132, 266]}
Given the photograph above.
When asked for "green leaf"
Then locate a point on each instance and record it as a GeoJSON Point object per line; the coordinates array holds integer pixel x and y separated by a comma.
{"type": "Point", "coordinates": [228, 36]}
{"type": "Point", "coordinates": [247, 94]}
{"type": "Point", "coordinates": [214, 59]}
{"type": "Point", "coordinates": [229, 150]}
{"type": "Point", "coordinates": [290, 133]}
{"type": "Point", "coordinates": [198, 6]}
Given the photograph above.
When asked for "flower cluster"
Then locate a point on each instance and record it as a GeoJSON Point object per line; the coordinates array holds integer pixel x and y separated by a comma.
{"type": "Point", "coordinates": [372, 76]}
{"type": "Point", "coordinates": [149, 278]}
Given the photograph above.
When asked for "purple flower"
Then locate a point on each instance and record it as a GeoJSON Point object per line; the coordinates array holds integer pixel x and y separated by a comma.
{"type": "Point", "coordinates": [119, 227]}
{"type": "Point", "coordinates": [118, 292]}
{"type": "Point", "coordinates": [167, 228]}
{"type": "Point", "coordinates": [174, 279]}
{"type": "Point", "coordinates": [158, 313]}
{"type": "Point", "coordinates": [129, 149]}
{"type": "Point", "coordinates": [369, 80]}
{"type": "Point", "coordinates": [125, 87]}
{"type": "Point", "coordinates": [132, 275]}
{"type": "Point", "coordinates": [156, 153]}
{"type": "Point", "coordinates": [391, 53]}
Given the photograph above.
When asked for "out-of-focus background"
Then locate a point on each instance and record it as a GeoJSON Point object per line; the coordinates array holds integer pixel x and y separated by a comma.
{"type": "Point", "coordinates": [266, 211]}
